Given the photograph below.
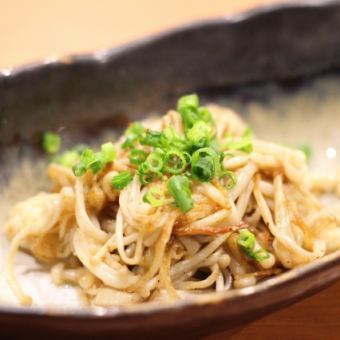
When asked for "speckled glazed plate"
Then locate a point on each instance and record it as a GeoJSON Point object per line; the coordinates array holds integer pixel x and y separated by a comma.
{"type": "Point", "coordinates": [238, 59]}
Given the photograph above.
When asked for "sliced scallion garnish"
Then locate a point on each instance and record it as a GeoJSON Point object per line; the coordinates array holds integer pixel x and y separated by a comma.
{"type": "Point", "coordinates": [152, 138]}
{"type": "Point", "coordinates": [247, 242]}
{"type": "Point", "coordinates": [196, 154]}
{"type": "Point", "coordinates": [68, 158]}
{"type": "Point", "coordinates": [155, 197]}
{"type": "Point", "coordinates": [79, 169]}
{"type": "Point", "coordinates": [146, 174]}
{"type": "Point", "coordinates": [245, 143]}
{"type": "Point", "coordinates": [203, 169]}
{"type": "Point", "coordinates": [205, 164]}
{"type": "Point", "coordinates": [187, 106]}
{"type": "Point", "coordinates": [232, 178]}
{"type": "Point", "coordinates": [204, 114]}
{"type": "Point", "coordinates": [171, 139]}
{"type": "Point", "coordinates": [260, 255]}
{"type": "Point", "coordinates": [51, 142]}
{"type": "Point", "coordinates": [91, 160]}
{"type": "Point", "coordinates": [179, 188]}
{"type": "Point", "coordinates": [121, 180]}
{"type": "Point", "coordinates": [133, 134]}
{"type": "Point", "coordinates": [175, 162]}
{"type": "Point", "coordinates": [137, 156]}
{"type": "Point", "coordinates": [108, 152]}
{"type": "Point", "coordinates": [189, 100]}
{"type": "Point", "coordinates": [199, 135]}
{"type": "Point", "coordinates": [154, 162]}
{"type": "Point", "coordinates": [94, 161]}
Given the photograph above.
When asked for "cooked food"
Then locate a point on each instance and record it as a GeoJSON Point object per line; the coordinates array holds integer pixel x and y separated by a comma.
{"type": "Point", "coordinates": [190, 203]}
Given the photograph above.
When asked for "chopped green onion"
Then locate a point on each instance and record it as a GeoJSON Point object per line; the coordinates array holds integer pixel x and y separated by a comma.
{"type": "Point", "coordinates": [260, 255]}
{"type": "Point", "coordinates": [232, 178]}
{"type": "Point", "coordinates": [187, 157]}
{"type": "Point", "coordinates": [307, 150]}
{"type": "Point", "coordinates": [71, 157]}
{"type": "Point", "coordinates": [245, 144]}
{"type": "Point", "coordinates": [205, 164]}
{"type": "Point", "coordinates": [189, 117]}
{"type": "Point", "coordinates": [68, 158]}
{"type": "Point", "coordinates": [171, 139]}
{"type": "Point", "coordinates": [190, 100]}
{"type": "Point", "coordinates": [129, 142]}
{"type": "Point", "coordinates": [152, 138]}
{"type": "Point", "coordinates": [204, 114]}
{"type": "Point", "coordinates": [79, 169]}
{"type": "Point", "coordinates": [108, 153]}
{"type": "Point", "coordinates": [133, 133]}
{"type": "Point", "coordinates": [121, 180]}
{"type": "Point", "coordinates": [135, 128]}
{"type": "Point", "coordinates": [154, 162]}
{"type": "Point", "coordinates": [160, 152]}
{"type": "Point", "coordinates": [247, 242]}
{"type": "Point", "coordinates": [137, 156]}
{"type": "Point", "coordinates": [203, 169]}
{"type": "Point", "coordinates": [227, 155]}
{"type": "Point", "coordinates": [146, 175]}
{"type": "Point", "coordinates": [179, 188]}
{"type": "Point", "coordinates": [199, 135]}
{"type": "Point", "coordinates": [205, 152]}
{"type": "Point", "coordinates": [175, 162]}
{"type": "Point", "coordinates": [187, 106]}
{"type": "Point", "coordinates": [155, 197]}
{"type": "Point", "coordinates": [91, 160]}
{"type": "Point", "coordinates": [97, 163]}
{"type": "Point", "coordinates": [51, 142]}
{"type": "Point", "coordinates": [87, 157]}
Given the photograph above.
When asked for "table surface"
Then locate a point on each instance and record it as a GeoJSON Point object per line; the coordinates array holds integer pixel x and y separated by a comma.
{"type": "Point", "coordinates": [34, 29]}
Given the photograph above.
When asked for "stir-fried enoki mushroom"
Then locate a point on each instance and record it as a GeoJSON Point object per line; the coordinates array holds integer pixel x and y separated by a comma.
{"type": "Point", "coordinates": [187, 204]}
{"type": "Point", "coordinates": [210, 231]}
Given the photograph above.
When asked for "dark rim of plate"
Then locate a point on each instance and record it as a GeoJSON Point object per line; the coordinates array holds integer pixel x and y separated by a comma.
{"type": "Point", "coordinates": [107, 55]}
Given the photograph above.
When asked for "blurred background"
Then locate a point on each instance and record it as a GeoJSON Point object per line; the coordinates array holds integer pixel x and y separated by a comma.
{"type": "Point", "coordinates": [34, 29]}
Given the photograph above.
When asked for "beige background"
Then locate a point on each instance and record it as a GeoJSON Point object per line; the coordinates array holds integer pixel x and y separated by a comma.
{"type": "Point", "coordinates": [31, 30]}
